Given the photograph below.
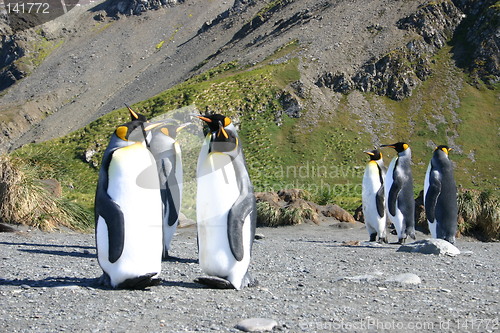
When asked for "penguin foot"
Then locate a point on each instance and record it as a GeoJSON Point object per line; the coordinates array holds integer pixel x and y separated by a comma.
{"type": "Point", "coordinates": [383, 240]}
{"type": "Point", "coordinates": [373, 237]}
{"type": "Point", "coordinates": [401, 240]}
{"type": "Point", "coordinates": [249, 281]}
{"type": "Point", "coordinates": [450, 239]}
{"type": "Point", "coordinates": [104, 280]}
{"type": "Point", "coordinates": [140, 282]}
{"type": "Point", "coordinates": [214, 282]}
{"type": "Point", "coordinates": [165, 256]}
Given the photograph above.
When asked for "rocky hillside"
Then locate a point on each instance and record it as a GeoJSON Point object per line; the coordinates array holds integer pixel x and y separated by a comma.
{"type": "Point", "coordinates": [91, 60]}
{"type": "Point", "coordinates": [310, 83]}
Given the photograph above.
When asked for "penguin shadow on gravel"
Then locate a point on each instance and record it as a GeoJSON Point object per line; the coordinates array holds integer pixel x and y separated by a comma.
{"type": "Point", "coordinates": [77, 251]}
{"type": "Point", "coordinates": [174, 259]}
{"type": "Point", "coordinates": [66, 282]}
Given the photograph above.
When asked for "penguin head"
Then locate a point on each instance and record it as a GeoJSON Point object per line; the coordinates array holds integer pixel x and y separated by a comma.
{"type": "Point", "coordinates": [169, 130]}
{"type": "Point", "coordinates": [398, 146]}
{"type": "Point", "coordinates": [130, 132]}
{"type": "Point", "coordinates": [443, 148]}
{"type": "Point", "coordinates": [222, 131]}
{"type": "Point", "coordinates": [375, 154]}
{"type": "Point", "coordinates": [134, 130]}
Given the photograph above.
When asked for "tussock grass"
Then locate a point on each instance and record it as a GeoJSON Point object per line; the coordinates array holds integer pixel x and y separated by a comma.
{"type": "Point", "coordinates": [25, 200]}
{"type": "Point", "coordinates": [269, 215]}
{"type": "Point", "coordinates": [480, 212]}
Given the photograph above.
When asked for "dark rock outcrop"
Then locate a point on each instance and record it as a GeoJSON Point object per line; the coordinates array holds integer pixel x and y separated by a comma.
{"type": "Point", "coordinates": [398, 72]}
{"type": "Point", "coordinates": [136, 7]}
{"type": "Point", "coordinates": [10, 51]}
{"type": "Point", "coordinates": [478, 39]}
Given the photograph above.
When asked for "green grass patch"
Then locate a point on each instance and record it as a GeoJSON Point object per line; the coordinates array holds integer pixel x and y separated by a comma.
{"type": "Point", "coordinates": [37, 51]}
{"type": "Point", "coordinates": [322, 156]}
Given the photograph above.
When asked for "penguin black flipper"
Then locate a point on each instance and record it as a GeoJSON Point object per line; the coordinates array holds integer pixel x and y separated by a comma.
{"type": "Point", "coordinates": [170, 195]}
{"type": "Point", "coordinates": [243, 206]}
{"type": "Point", "coordinates": [397, 185]}
{"type": "Point", "coordinates": [379, 198]}
{"type": "Point", "coordinates": [432, 195]}
{"type": "Point", "coordinates": [111, 213]}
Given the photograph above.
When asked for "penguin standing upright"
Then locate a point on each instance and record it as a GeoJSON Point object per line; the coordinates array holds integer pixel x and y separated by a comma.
{"type": "Point", "coordinates": [373, 197]}
{"type": "Point", "coordinates": [225, 205]}
{"type": "Point", "coordinates": [399, 192]}
{"type": "Point", "coordinates": [167, 153]}
{"type": "Point", "coordinates": [128, 211]}
{"type": "Point", "coordinates": [440, 196]}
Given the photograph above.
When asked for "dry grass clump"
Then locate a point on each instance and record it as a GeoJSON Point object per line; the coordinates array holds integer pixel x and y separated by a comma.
{"type": "Point", "coordinates": [269, 215]}
{"type": "Point", "coordinates": [25, 200]}
{"type": "Point", "coordinates": [480, 214]}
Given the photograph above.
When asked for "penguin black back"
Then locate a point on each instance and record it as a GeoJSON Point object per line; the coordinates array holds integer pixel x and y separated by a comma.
{"type": "Point", "coordinates": [440, 200]}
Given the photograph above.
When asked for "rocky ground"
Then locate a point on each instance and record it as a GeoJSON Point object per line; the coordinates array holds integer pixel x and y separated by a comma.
{"type": "Point", "coordinates": [313, 278]}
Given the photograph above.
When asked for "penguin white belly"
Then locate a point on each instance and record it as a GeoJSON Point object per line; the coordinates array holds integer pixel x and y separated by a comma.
{"type": "Point", "coordinates": [432, 224]}
{"type": "Point", "coordinates": [133, 184]}
{"type": "Point", "coordinates": [371, 185]}
{"type": "Point", "coordinates": [218, 179]}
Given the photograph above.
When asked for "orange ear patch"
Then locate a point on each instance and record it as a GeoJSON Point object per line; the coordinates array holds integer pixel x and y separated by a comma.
{"type": "Point", "coordinates": [121, 132]}
{"type": "Point", "coordinates": [164, 130]}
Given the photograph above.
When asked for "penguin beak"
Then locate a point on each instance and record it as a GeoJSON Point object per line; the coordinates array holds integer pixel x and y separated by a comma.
{"type": "Point", "coordinates": [223, 131]}
{"type": "Point", "coordinates": [152, 126]}
{"type": "Point", "coordinates": [132, 112]}
{"type": "Point", "coordinates": [369, 153]}
{"type": "Point", "coordinates": [181, 127]}
{"type": "Point", "coordinates": [205, 119]}
{"type": "Point", "coordinates": [390, 146]}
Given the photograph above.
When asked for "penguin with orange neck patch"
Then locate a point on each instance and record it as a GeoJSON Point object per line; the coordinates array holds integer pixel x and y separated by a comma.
{"type": "Point", "coordinates": [399, 198]}
{"type": "Point", "coordinates": [373, 197]}
{"type": "Point", "coordinates": [440, 196]}
{"type": "Point", "coordinates": [225, 207]}
{"type": "Point", "coordinates": [128, 210]}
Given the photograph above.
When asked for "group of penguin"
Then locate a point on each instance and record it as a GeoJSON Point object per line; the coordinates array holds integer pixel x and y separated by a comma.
{"type": "Point", "coordinates": [390, 192]}
{"type": "Point", "coordinates": [138, 199]}
{"type": "Point", "coordinates": [139, 192]}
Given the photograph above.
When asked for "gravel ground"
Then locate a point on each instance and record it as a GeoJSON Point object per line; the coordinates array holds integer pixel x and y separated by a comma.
{"type": "Point", "coordinates": [310, 281]}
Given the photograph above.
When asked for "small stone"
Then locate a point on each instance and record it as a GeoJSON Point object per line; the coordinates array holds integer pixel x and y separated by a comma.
{"type": "Point", "coordinates": [259, 236]}
{"type": "Point", "coordinates": [405, 278]}
{"type": "Point", "coordinates": [256, 325]}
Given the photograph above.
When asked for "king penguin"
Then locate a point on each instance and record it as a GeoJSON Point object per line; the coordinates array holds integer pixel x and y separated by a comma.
{"type": "Point", "coordinates": [440, 196]}
{"type": "Point", "coordinates": [128, 210]}
{"type": "Point", "coordinates": [399, 192]}
{"type": "Point", "coordinates": [167, 153]}
{"type": "Point", "coordinates": [225, 205]}
{"type": "Point", "coordinates": [373, 197]}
